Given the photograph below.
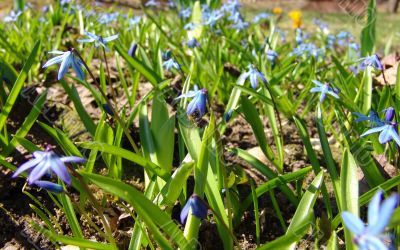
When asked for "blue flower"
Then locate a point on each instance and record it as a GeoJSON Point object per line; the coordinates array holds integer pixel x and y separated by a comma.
{"type": "Point", "coordinates": [151, 3]}
{"type": "Point", "coordinates": [231, 6]}
{"type": "Point", "coordinates": [372, 61]}
{"type": "Point", "coordinates": [134, 21]}
{"type": "Point", "coordinates": [67, 59]}
{"type": "Point", "coordinates": [132, 49]}
{"type": "Point", "coordinates": [46, 162]}
{"type": "Point", "coordinates": [271, 56]}
{"type": "Point", "coordinates": [185, 13]}
{"type": "Point", "coordinates": [240, 25]}
{"type": "Point", "coordinates": [299, 36]}
{"type": "Point", "coordinates": [387, 131]}
{"type": "Point", "coordinates": [190, 26]}
{"type": "Point", "coordinates": [235, 17]}
{"type": "Point", "coordinates": [321, 25]}
{"type": "Point", "coordinates": [213, 17]}
{"type": "Point", "coordinates": [324, 89]}
{"type": "Point", "coordinates": [330, 41]}
{"type": "Point", "coordinates": [198, 103]}
{"type": "Point", "coordinates": [371, 236]}
{"type": "Point", "coordinates": [343, 37]}
{"type": "Point", "coordinates": [261, 16]}
{"type": "Point", "coordinates": [372, 117]}
{"type": "Point", "coordinates": [106, 18]}
{"type": "Point", "coordinates": [197, 208]}
{"type": "Point", "coordinates": [192, 43]}
{"type": "Point", "coordinates": [307, 50]}
{"type": "Point", "coordinates": [228, 115]}
{"type": "Point", "coordinates": [389, 114]}
{"type": "Point", "coordinates": [171, 63]}
{"type": "Point", "coordinates": [98, 40]}
{"type": "Point", "coordinates": [50, 186]}
{"type": "Point", "coordinates": [254, 76]}
{"type": "Point", "coordinates": [12, 17]}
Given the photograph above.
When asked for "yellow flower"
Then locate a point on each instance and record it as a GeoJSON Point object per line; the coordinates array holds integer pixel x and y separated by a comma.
{"type": "Point", "coordinates": [295, 15]}
{"type": "Point", "coordinates": [277, 11]}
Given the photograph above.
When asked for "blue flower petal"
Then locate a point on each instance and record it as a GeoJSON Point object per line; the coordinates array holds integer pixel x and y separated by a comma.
{"type": "Point", "coordinates": [316, 89]}
{"type": "Point", "coordinates": [41, 169]}
{"type": "Point", "coordinates": [385, 135]}
{"type": "Point", "coordinates": [185, 212]}
{"type": "Point", "coordinates": [374, 243]}
{"type": "Point", "coordinates": [394, 135]}
{"type": "Point", "coordinates": [318, 83]}
{"type": "Point", "coordinates": [373, 208]}
{"type": "Point", "coordinates": [54, 60]}
{"type": "Point", "coordinates": [58, 167]}
{"type": "Point", "coordinates": [72, 159]}
{"type": "Point", "coordinates": [385, 214]}
{"type": "Point", "coordinates": [26, 166]}
{"type": "Point", "coordinates": [373, 130]}
{"type": "Point", "coordinates": [353, 223]}
{"type": "Point", "coordinates": [66, 62]}
{"type": "Point", "coordinates": [110, 38]}
{"type": "Point", "coordinates": [50, 186]}
{"type": "Point", "coordinates": [77, 68]}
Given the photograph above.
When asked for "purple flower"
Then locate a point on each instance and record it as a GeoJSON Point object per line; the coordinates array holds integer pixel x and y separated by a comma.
{"type": "Point", "coordinates": [254, 76]}
{"type": "Point", "coordinates": [185, 13]}
{"type": "Point", "coordinates": [388, 132]}
{"type": "Point", "coordinates": [190, 26]}
{"type": "Point", "coordinates": [98, 40]}
{"type": "Point", "coordinates": [371, 236]}
{"type": "Point", "coordinates": [192, 43]}
{"type": "Point", "coordinates": [261, 16]}
{"type": "Point", "coordinates": [197, 208]}
{"type": "Point", "coordinates": [132, 49]}
{"type": "Point", "coordinates": [151, 3]}
{"type": "Point", "coordinates": [50, 186]}
{"type": "Point", "coordinates": [171, 63]}
{"type": "Point", "coordinates": [372, 117]}
{"type": "Point", "coordinates": [12, 17]}
{"type": "Point", "coordinates": [271, 56]}
{"type": "Point", "coordinates": [198, 103]}
{"type": "Point", "coordinates": [66, 60]}
{"type": "Point", "coordinates": [372, 61]}
{"type": "Point", "coordinates": [46, 162]}
{"type": "Point", "coordinates": [324, 89]}
{"type": "Point", "coordinates": [389, 114]}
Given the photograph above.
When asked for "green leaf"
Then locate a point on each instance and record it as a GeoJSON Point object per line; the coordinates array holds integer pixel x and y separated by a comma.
{"type": "Point", "coordinates": [126, 154]}
{"type": "Point", "coordinates": [304, 209]}
{"type": "Point", "coordinates": [85, 118]}
{"type": "Point", "coordinates": [252, 117]}
{"type": "Point", "coordinates": [330, 163]}
{"type": "Point", "coordinates": [162, 129]}
{"type": "Point", "coordinates": [147, 72]}
{"type": "Point", "coordinates": [301, 220]}
{"type": "Point", "coordinates": [72, 240]}
{"type": "Point", "coordinates": [69, 211]}
{"type": "Point", "coordinates": [367, 90]}
{"type": "Point", "coordinates": [154, 219]}
{"type": "Point", "coordinates": [368, 33]}
{"type": "Point", "coordinates": [28, 123]}
{"type": "Point", "coordinates": [196, 18]}
{"type": "Point", "coordinates": [266, 171]}
{"type": "Point", "coordinates": [349, 190]}
{"type": "Point", "coordinates": [18, 85]}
